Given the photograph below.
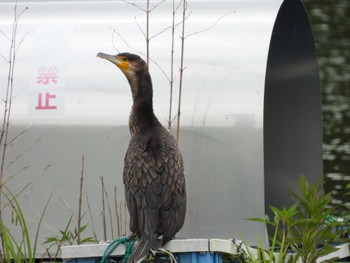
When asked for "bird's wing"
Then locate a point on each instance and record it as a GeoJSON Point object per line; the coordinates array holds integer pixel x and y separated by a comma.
{"type": "Point", "coordinates": [155, 186]}
{"type": "Point", "coordinates": [141, 177]}
{"type": "Point", "coordinates": [173, 194]}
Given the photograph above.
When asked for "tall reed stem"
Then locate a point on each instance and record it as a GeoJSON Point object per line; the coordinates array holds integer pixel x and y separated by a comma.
{"type": "Point", "coordinates": [80, 198]}
{"type": "Point", "coordinates": [184, 7]}
{"type": "Point", "coordinates": [7, 109]}
{"type": "Point", "coordinates": [172, 67]}
{"type": "Point", "coordinates": [148, 11]}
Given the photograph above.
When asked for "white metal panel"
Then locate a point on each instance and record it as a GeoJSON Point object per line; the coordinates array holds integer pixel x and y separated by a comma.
{"type": "Point", "coordinates": [222, 114]}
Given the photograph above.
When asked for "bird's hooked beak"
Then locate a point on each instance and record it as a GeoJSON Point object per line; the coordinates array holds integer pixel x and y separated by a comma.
{"type": "Point", "coordinates": [120, 61]}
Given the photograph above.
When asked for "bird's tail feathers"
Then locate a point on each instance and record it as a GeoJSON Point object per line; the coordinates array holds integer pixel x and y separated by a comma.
{"type": "Point", "coordinates": [143, 247]}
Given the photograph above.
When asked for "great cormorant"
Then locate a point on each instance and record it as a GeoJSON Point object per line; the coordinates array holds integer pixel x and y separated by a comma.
{"type": "Point", "coordinates": [153, 167]}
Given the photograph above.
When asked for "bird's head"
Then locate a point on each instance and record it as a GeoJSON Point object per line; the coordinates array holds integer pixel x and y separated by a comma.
{"type": "Point", "coordinates": [129, 64]}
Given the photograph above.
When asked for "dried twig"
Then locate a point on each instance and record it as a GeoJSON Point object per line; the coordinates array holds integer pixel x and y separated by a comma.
{"type": "Point", "coordinates": [15, 174]}
{"type": "Point", "coordinates": [173, 25]}
{"type": "Point", "coordinates": [80, 198]}
{"type": "Point", "coordinates": [9, 89]}
{"type": "Point", "coordinates": [8, 106]}
{"type": "Point", "coordinates": [184, 8]}
{"type": "Point", "coordinates": [115, 32]}
{"type": "Point", "coordinates": [34, 179]}
{"type": "Point", "coordinates": [125, 218]}
{"type": "Point", "coordinates": [6, 36]}
{"type": "Point", "coordinates": [134, 4]}
{"type": "Point", "coordinates": [38, 215]}
{"type": "Point", "coordinates": [147, 33]}
{"type": "Point", "coordinates": [211, 26]}
{"type": "Point", "coordinates": [103, 211]}
{"type": "Point", "coordinates": [116, 211]}
{"type": "Point", "coordinates": [20, 134]}
{"type": "Point", "coordinates": [140, 28]}
{"type": "Point", "coordinates": [91, 217]}
{"type": "Point", "coordinates": [139, 7]}
{"type": "Point", "coordinates": [171, 81]}
{"type": "Point", "coordinates": [60, 198]}
{"type": "Point", "coordinates": [156, 5]}
{"type": "Point", "coordinates": [138, 52]}
{"type": "Point", "coordinates": [28, 148]}
{"type": "Point", "coordinates": [4, 58]}
{"type": "Point", "coordinates": [110, 213]}
{"type": "Point", "coordinates": [121, 214]}
{"type": "Point", "coordinates": [27, 185]}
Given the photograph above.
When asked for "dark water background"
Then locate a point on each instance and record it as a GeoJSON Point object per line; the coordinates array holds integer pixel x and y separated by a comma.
{"type": "Point", "coordinates": [331, 26]}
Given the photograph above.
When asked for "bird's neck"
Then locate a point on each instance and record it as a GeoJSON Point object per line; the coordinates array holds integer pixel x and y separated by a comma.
{"type": "Point", "coordinates": [142, 115]}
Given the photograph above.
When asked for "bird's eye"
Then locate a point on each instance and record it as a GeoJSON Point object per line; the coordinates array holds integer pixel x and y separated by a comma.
{"type": "Point", "coordinates": [123, 58]}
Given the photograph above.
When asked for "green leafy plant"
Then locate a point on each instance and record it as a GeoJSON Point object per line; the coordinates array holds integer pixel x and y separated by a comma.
{"type": "Point", "coordinates": [303, 228]}
{"type": "Point", "coordinates": [346, 216]}
{"type": "Point", "coordinates": [23, 250]}
{"type": "Point", "coordinates": [281, 223]}
{"type": "Point", "coordinates": [313, 234]}
{"type": "Point", "coordinates": [67, 237]}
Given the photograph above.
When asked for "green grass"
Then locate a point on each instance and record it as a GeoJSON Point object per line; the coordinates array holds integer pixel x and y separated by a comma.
{"type": "Point", "coordinates": [24, 249]}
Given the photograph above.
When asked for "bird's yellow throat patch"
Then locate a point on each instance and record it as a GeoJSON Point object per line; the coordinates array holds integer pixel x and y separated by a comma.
{"type": "Point", "coordinates": [123, 64]}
